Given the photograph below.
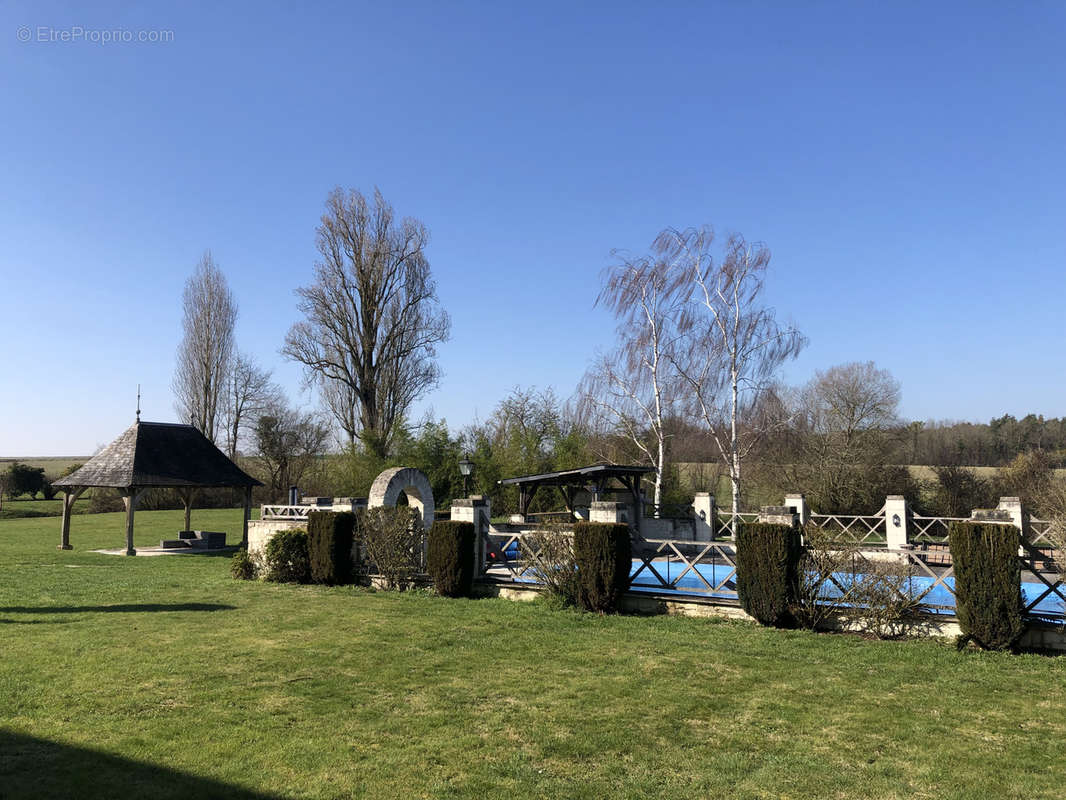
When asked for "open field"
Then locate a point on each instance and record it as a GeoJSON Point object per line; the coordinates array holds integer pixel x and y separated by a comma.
{"type": "Point", "coordinates": [696, 477]}
{"type": "Point", "coordinates": [53, 467]}
{"type": "Point", "coordinates": [163, 677]}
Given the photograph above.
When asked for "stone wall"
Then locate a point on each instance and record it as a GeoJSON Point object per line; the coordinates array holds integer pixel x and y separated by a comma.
{"type": "Point", "coordinates": [260, 531]}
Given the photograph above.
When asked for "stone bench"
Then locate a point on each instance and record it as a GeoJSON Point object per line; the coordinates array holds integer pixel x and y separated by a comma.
{"type": "Point", "coordinates": [203, 540]}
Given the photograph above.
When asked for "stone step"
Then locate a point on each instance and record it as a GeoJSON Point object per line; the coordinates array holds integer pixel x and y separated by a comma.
{"type": "Point", "coordinates": [211, 540]}
{"type": "Point", "coordinates": [174, 544]}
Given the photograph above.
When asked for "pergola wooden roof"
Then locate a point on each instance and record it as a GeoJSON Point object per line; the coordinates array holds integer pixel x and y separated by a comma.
{"type": "Point", "coordinates": [568, 480]}
{"type": "Point", "coordinates": [155, 455]}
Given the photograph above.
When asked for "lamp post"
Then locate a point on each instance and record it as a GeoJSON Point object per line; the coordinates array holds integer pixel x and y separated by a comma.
{"type": "Point", "coordinates": [466, 466]}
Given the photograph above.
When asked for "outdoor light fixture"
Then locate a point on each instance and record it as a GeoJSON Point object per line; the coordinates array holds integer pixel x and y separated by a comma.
{"type": "Point", "coordinates": [466, 467]}
{"type": "Point", "coordinates": [895, 520]}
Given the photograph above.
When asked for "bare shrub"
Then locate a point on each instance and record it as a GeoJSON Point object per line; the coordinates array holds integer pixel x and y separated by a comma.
{"type": "Point", "coordinates": [881, 599]}
{"type": "Point", "coordinates": [549, 551]}
{"type": "Point", "coordinates": [392, 540]}
{"type": "Point", "coordinates": [825, 558]}
{"type": "Point", "coordinates": [1053, 503]}
{"type": "Point", "coordinates": [875, 595]}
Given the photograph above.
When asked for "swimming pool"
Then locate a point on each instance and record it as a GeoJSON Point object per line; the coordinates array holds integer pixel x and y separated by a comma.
{"type": "Point", "coordinates": [682, 580]}
{"type": "Point", "coordinates": [940, 599]}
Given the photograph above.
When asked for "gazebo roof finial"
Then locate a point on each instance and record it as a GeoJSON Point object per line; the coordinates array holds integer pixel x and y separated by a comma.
{"type": "Point", "coordinates": [138, 402]}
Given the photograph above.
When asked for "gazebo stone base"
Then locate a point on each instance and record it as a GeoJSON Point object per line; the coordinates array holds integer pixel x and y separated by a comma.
{"type": "Point", "coordinates": [64, 547]}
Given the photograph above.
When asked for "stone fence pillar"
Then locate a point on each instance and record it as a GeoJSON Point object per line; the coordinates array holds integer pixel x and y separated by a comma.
{"type": "Point", "coordinates": [798, 504]}
{"type": "Point", "coordinates": [1019, 517]}
{"type": "Point", "coordinates": [897, 521]}
{"type": "Point", "coordinates": [706, 516]}
{"type": "Point", "coordinates": [478, 510]}
{"type": "Point", "coordinates": [608, 511]}
{"type": "Point", "coordinates": [779, 515]}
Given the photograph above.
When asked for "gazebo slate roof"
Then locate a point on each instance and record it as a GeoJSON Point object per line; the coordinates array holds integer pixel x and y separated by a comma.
{"type": "Point", "coordinates": [159, 455]}
{"type": "Point", "coordinates": [581, 474]}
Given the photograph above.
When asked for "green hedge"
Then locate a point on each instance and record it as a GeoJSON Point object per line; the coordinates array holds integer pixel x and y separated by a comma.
{"type": "Point", "coordinates": [988, 591]}
{"type": "Point", "coordinates": [768, 571]}
{"type": "Point", "coordinates": [603, 553]}
{"type": "Point", "coordinates": [450, 557]}
{"type": "Point", "coordinates": [330, 535]}
{"type": "Point", "coordinates": [285, 559]}
{"type": "Point", "coordinates": [242, 567]}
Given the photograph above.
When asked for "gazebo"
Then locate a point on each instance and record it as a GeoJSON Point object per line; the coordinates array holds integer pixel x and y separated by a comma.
{"type": "Point", "coordinates": [155, 455]}
{"type": "Point", "coordinates": [593, 478]}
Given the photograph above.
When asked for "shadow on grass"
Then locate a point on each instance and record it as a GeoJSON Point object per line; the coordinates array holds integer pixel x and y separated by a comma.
{"type": "Point", "coordinates": [127, 608]}
{"type": "Point", "coordinates": [32, 622]}
{"type": "Point", "coordinates": [36, 768]}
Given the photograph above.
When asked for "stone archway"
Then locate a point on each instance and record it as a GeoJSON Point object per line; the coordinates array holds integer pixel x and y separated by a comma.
{"type": "Point", "coordinates": [389, 484]}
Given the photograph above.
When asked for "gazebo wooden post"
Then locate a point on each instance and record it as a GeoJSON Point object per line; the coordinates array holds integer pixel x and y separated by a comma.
{"type": "Point", "coordinates": [525, 498]}
{"type": "Point", "coordinates": [568, 498]}
{"type": "Point", "coordinates": [130, 498]}
{"type": "Point", "coordinates": [247, 515]}
{"type": "Point", "coordinates": [632, 483]}
{"type": "Point", "coordinates": [69, 496]}
{"type": "Point", "coordinates": [186, 496]}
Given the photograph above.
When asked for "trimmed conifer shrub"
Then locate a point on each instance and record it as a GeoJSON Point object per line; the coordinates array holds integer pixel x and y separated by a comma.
{"type": "Point", "coordinates": [330, 535]}
{"type": "Point", "coordinates": [603, 553]}
{"type": "Point", "coordinates": [988, 591]}
{"type": "Point", "coordinates": [768, 571]}
{"type": "Point", "coordinates": [450, 557]}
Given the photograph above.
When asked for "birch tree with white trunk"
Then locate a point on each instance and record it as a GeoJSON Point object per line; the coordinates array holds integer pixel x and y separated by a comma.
{"type": "Point", "coordinates": [632, 390]}
{"type": "Point", "coordinates": [732, 345]}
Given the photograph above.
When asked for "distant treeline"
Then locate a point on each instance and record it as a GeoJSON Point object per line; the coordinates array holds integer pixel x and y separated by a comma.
{"type": "Point", "coordinates": [976, 444]}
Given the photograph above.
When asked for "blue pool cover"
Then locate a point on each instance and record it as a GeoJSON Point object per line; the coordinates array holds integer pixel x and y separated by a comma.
{"type": "Point", "coordinates": [940, 599]}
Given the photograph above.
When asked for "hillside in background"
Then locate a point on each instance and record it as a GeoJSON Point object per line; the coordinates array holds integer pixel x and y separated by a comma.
{"type": "Point", "coordinates": [52, 465]}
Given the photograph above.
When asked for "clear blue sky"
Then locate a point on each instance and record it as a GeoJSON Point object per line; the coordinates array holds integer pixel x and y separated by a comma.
{"type": "Point", "coordinates": [903, 161]}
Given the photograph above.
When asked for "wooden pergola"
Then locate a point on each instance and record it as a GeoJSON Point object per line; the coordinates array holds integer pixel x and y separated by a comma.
{"type": "Point", "coordinates": [155, 455]}
{"type": "Point", "coordinates": [593, 479]}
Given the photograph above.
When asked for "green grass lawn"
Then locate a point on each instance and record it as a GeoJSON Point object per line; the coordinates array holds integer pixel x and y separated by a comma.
{"type": "Point", "coordinates": [25, 508]}
{"type": "Point", "coordinates": [163, 677]}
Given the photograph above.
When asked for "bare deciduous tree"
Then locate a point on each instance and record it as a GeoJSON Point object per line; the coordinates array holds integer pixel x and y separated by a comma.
{"type": "Point", "coordinates": [210, 314]}
{"type": "Point", "coordinates": [373, 319]}
{"type": "Point", "coordinates": [286, 443]}
{"type": "Point", "coordinates": [732, 344]}
{"type": "Point", "coordinates": [342, 404]}
{"type": "Point", "coordinates": [843, 423]}
{"type": "Point", "coordinates": [249, 393]}
{"type": "Point", "coordinates": [633, 389]}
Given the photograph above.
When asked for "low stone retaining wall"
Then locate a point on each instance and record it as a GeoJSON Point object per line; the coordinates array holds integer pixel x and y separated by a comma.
{"type": "Point", "coordinates": [1038, 636]}
{"type": "Point", "coordinates": [260, 532]}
